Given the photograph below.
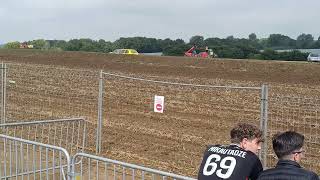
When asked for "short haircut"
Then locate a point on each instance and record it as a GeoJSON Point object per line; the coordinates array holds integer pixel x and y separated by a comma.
{"type": "Point", "coordinates": [245, 130]}
{"type": "Point", "coordinates": [286, 143]}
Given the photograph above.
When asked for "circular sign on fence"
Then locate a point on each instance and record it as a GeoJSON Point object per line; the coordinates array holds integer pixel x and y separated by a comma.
{"type": "Point", "coordinates": [159, 107]}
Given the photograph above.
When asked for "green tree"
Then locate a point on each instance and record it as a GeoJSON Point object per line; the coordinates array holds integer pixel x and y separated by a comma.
{"type": "Point", "coordinates": [166, 43]}
{"type": "Point", "coordinates": [305, 41]}
{"type": "Point", "coordinates": [213, 42]}
{"type": "Point", "coordinates": [57, 44]}
{"type": "Point", "coordinates": [40, 44]}
{"type": "Point", "coordinates": [230, 38]}
{"type": "Point", "coordinates": [279, 41]}
{"type": "Point", "coordinates": [104, 46]}
{"type": "Point", "coordinates": [253, 37]}
{"type": "Point", "coordinates": [294, 55]}
{"type": "Point", "coordinates": [197, 40]}
{"type": "Point", "coordinates": [150, 45]}
{"type": "Point", "coordinates": [317, 44]}
{"type": "Point", "coordinates": [87, 44]}
{"type": "Point", "coordinates": [269, 54]}
{"type": "Point", "coordinates": [141, 44]}
{"type": "Point", "coordinates": [176, 50]}
{"type": "Point", "coordinates": [61, 44]}
{"type": "Point", "coordinates": [73, 45]}
{"type": "Point", "coordinates": [229, 52]}
{"type": "Point", "coordinates": [247, 50]}
{"type": "Point", "coordinates": [12, 45]}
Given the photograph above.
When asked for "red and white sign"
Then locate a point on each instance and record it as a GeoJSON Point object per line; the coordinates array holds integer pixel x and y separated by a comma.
{"type": "Point", "coordinates": [158, 104]}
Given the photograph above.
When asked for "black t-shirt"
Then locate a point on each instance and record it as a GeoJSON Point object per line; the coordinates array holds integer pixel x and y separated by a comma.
{"type": "Point", "coordinates": [229, 162]}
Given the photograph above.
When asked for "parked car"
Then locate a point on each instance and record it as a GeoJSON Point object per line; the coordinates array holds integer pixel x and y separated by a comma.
{"type": "Point", "coordinates": [314, 57]}
{"type": "Point", "coordinates": [125, 51]}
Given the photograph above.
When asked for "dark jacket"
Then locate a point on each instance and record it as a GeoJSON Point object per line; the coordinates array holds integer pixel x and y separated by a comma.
{"type": "Point", "coordinates": [287, 170]}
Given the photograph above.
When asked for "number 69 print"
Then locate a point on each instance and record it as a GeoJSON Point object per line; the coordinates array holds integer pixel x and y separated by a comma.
{"type": "Point", "coordinates": [223, 168]}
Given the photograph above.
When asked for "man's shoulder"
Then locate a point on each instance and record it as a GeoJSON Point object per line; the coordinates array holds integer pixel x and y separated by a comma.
{"type": "Point", "coordinates": [312, 175]}
{"type": "Point", "coordinates": [268, 172]}
{"type": "Point", "coordinates": [287, 173]}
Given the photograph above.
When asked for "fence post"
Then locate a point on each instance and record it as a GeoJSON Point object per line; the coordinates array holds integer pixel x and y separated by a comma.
{"type": "Point", "coordinates": [99, 124]}
{"type": "Point", "coordinates": [2, 70]}
{"type": "Point", "coordinates": [72, 173]}
{"type": "Point", "coordinates": [3, 92]}
{"type": "Point", "coordinates": [264, 124]}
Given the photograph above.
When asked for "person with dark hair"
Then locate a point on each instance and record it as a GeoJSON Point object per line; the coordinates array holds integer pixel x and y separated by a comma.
{"type": "Point", "coordinates": [288, 146]}
{"type": "Point", "coordinates": [237, 161]}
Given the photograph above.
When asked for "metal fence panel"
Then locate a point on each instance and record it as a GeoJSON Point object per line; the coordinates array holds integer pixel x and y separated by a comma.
{"type": "Point", "coordinates": [24, 159]}
{"type": "Point", "coordinates": [94, 167]}
{"type": "Point", "coordinates": [300, 114]}
{"type": "Point", "coordinates": [194, 116]}
{"type": "Point", "coordinates": [45, 92]}
{"type": "Point", "coordinates": [67, 133]}
{"type": "Point", "coordinates": [48, 92]}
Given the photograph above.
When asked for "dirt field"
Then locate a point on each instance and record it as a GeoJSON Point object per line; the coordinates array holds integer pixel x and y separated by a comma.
{"type": "Point", "coordinates": [194, 117]}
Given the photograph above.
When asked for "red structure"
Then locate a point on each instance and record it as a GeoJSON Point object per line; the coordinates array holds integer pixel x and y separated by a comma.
{"type": "Point", "coordinates": [192, 53]}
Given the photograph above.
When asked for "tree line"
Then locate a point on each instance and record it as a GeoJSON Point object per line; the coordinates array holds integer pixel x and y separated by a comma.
{"type": "Point", "coordinates": [229, 47]}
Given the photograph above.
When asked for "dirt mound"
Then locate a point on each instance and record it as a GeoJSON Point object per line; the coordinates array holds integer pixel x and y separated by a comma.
{"type": "Point", "coordinates": [195, 68]}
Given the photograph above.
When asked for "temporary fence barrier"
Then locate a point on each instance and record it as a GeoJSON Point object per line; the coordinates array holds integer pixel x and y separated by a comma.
{"type": "Point", "coordinates": [32, 160]}
{"type": "Point", "coordinates": [95, 167]}
{"type": "Point", "coordinates": [48, 92]}
{"type": "Point", "coordinates": [129, 100]}
{"type": "Point", "coordinates": [67, 133]}
{"type": "Point", "coordinates": [42, 92]}
{"type": "Point", "coordinates": [24, 159]}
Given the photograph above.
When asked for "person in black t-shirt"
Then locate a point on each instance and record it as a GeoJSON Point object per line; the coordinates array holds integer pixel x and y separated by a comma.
{"type": "Point", "coordinates": [237, 161]}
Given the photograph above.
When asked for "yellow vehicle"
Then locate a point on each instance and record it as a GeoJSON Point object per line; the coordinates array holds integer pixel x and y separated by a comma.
{"type": "Point", "coordinates": [125, 51]}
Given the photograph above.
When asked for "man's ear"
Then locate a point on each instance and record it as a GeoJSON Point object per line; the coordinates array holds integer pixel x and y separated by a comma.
{"type": "Point", "coordinates": [243, 143]}
{"type": "Point", "coordinates": [295, 157]}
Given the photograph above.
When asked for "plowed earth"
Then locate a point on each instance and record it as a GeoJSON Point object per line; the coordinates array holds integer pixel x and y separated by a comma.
{"type": "Point", "coordinates": [194, 116]}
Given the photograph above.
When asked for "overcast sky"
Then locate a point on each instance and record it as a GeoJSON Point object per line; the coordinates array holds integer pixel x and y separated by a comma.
{"type": "Point", "coordinates": [23, 20]}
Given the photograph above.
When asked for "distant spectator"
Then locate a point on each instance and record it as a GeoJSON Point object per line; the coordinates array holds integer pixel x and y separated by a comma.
{"type": "Point", "coordinates": [194, 52]}
{"type": "Point", "coordinates": [237, 161]}
{"type": "Point", "coordinates": [207, 49]}
{"type": "Point", "coordinates": [288, 147]}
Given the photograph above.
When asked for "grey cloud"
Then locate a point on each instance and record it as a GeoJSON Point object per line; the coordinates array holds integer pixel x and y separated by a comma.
{"type": "Point", "coordinates": [112, 19]}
